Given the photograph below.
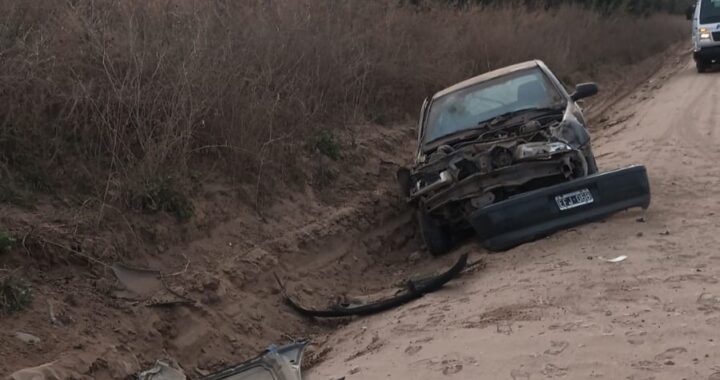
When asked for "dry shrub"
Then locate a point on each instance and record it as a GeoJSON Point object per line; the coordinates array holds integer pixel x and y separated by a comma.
{"type": "Point", "coordinates": [110, 98]}
{"type": "Point", "coordinates": [14, 295]}
{"type": "Point", "coordinates": [7, 241]}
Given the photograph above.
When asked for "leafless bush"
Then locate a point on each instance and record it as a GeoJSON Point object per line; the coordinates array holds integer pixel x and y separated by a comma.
{"type": "Point", "coordinates": [113, 97]}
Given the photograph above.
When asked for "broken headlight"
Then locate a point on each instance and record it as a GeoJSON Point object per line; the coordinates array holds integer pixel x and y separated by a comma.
{"type": "Point", "coordinates": [540, 150]}
{"type": "Point", "coordinates": [422, 187]}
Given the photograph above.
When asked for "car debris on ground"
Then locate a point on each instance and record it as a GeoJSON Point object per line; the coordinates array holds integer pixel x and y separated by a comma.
{"type": "Point", "coordinates": [146, 285]}
{"type": "Point", "coordinates": [276, 363]}
{"type": "Point", "coordinates": [413, 289]}
{"type": "Point", "coordinates": [614, 259]}
{"type": "Point", "coordinates": [165, 369]}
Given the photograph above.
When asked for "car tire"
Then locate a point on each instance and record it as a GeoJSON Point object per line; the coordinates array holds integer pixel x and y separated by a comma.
{"type": "Point", "coordinates": [592, 167]}
{"type": "Point", "coordinates": [701, 66]}
{"type": "Point", "coordinates": [437, 238]}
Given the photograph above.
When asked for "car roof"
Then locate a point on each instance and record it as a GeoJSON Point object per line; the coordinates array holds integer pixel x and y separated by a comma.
{"type": "Point", "coordinates": [489, 75]}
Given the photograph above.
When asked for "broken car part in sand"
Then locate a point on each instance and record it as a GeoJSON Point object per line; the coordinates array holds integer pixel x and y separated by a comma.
{"type": "Point", "coordinates": [166, 369]}
{"type": "Point", "coordinates": [146, 285]}
{"type": "Point", "coordinates": [618, 259]}
{"type": "Point", "coordinates": [276, 363]}
{"type": "Point", "coordinates": [413, 289]}
{"type": "Point", "coordinates": [508, 154]}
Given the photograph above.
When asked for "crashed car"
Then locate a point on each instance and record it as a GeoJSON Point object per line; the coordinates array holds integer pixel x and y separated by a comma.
{"type": "Point", "coordinates": [508, 154]}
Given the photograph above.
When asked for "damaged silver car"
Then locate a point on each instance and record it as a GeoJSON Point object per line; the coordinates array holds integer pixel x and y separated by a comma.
{"type": "Point", "coordinates": [488, 146]}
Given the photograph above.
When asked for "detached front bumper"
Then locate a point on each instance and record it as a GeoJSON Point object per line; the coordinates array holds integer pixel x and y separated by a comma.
{"type": "Point", "coordinates": [535, 214]}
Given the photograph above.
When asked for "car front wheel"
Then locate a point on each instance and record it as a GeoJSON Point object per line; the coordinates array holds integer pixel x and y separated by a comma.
{"type": "Point", "coordinates": [590, 159]}
{"type": "Point", "coordinates": [437, 238]}
{"type": "Point", "coordinates": [701, 65]}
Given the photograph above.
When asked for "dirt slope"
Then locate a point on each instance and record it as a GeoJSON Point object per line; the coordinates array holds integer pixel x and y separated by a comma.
{"type": "Point", "coordinates": [322, 239]}
{"type": "Point", "coordinates": [552, 309]}
{"type": "Point", "coordinates": [348, 232]}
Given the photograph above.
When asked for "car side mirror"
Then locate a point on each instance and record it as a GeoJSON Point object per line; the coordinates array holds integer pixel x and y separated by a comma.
{"type": "Point", "coordinates": [584, 90]}
{"type": "Point", "coordinates": [689, 12]}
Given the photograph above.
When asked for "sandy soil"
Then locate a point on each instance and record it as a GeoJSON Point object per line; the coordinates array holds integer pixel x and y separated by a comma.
{"type": "Point", "coordinates": [552, 308]}
{"type": "Point", "coordinates": [333, 235]}
{"type": "Point", "coordinates": [545, 309]}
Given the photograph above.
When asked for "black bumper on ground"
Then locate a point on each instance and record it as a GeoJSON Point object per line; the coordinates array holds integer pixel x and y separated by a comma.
{"type": "Point", "coordinates": [707, 54]}
{"type": "Point", "coordinates": [535, 214]}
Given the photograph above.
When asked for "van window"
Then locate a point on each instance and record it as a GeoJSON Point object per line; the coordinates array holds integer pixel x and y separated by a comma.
{"type": "Point", "coordinates": [709, 11]}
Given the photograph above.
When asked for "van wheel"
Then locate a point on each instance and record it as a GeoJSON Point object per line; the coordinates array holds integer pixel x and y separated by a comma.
{"type": "Point", "coordinates": [701, 66]}
{"type": "Point", "coordinates": [437, 238]}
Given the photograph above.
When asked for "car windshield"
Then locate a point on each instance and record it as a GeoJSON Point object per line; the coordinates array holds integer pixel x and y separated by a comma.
{"type": "Point", "coordinates": [709, 11]}
{"type": "Point", "coordinates": [465, 109]}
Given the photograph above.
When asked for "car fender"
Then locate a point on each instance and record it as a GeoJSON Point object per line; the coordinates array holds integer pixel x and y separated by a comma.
{"type": "Point", "coordinates": [572, 131]}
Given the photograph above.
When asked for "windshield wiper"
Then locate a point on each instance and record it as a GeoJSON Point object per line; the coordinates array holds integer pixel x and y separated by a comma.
{"type": "Point", "coordinates": [484, 125]}
{"type": "Point", "coordinates": [510, 115]}
{"type": "Point", "coordinates": [464, 134]}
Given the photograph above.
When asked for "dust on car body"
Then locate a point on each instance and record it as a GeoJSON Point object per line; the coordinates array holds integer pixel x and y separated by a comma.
{"type": "Point", "coordinates": [500, 137]}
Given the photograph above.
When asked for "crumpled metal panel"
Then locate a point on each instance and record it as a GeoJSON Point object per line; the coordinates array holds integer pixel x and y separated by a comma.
{"type": "Point", "coordinates": [277, 363]}
{"type": "Point", "coordinates": [163, 370]}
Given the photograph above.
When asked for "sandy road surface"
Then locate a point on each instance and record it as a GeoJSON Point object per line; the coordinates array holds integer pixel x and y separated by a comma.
{"type": "Point", "coordinates": [552, 309]}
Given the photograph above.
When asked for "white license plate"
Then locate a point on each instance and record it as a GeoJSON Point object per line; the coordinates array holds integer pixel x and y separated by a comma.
{"type": "Point", "coordinates": [574, 199]}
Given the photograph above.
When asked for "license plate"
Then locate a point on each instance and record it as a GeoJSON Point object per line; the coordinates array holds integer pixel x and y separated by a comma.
{"type": "Point", "coordinates": [574, 199]}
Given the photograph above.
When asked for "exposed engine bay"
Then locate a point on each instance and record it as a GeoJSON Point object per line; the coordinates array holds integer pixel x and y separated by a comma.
{"type": "Point", "coordinates": [454, 180]}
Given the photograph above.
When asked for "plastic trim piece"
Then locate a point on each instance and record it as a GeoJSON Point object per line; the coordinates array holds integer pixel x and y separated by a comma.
{"type": "Point", "coordinates": [414, 289]}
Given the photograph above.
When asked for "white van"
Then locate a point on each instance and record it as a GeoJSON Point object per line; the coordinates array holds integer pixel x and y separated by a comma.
{"type": "Point", "coordinates": [705, 15]}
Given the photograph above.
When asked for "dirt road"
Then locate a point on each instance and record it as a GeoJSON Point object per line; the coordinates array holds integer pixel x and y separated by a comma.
{"type": "Point", "coordinates": [554, 308]}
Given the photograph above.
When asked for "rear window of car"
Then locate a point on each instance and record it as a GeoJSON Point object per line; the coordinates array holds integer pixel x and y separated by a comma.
{"type": "Point", "coordinates": [709, 11]}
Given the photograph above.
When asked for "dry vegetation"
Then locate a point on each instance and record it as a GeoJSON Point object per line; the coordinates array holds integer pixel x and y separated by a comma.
{"type": "Point", "coordinates": [127, 101]}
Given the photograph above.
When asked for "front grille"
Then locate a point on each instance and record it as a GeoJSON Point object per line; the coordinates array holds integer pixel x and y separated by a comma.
{"type": "Point", "coordinates": [466, 169]}
{"type": "Point", "coordinates": [716, 36]}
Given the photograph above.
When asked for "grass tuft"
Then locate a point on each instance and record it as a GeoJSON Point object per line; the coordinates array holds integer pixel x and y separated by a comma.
{"type": "Point", "coordinates": [7, 241]}
{"type": "Point", "coordinates": [14, 296]}
{"type": "Point", "coordinates": [325, 143]}
{"type": "Point", "coordinates": [162, 194]}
